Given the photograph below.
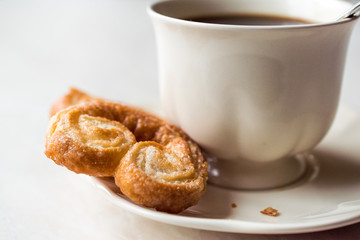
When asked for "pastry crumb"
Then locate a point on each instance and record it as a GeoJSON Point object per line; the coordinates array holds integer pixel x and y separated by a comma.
{"type": "Point", "coordinates": [270, 212]}
{"type": "Point", "coordinates": [233, 205]}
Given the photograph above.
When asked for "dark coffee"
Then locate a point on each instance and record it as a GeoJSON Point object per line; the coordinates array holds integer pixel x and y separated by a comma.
{"type": "Point", "coordinates": [249, 20]}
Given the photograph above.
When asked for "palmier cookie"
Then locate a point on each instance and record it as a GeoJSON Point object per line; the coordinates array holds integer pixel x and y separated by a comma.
{"type": "Point", "coordinates": [74, 97]}
{"type": "Point", "coordinates": [86, 140]}
{"type": "Point", "coordinates": [160, 176]}
{"type": "Point", "coordinates": [165, 170]}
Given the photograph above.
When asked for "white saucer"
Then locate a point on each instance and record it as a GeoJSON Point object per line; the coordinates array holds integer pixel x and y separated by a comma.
{"type": "Point", "coordinates": [327, 197]}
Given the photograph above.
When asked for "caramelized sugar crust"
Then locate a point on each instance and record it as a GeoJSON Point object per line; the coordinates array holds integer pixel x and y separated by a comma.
{"type": "Point", "coordinates": [154, 163]}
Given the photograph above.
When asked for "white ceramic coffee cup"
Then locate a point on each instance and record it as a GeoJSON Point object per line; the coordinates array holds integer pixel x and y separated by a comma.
{"type": "Point", "coordinates": [255, 97]}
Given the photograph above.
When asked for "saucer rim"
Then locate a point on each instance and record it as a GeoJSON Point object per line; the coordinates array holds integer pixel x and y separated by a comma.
{"type": "Point", "coordinates": [225, 225]}
{"type": "Point", "coordinates": [234, 225]}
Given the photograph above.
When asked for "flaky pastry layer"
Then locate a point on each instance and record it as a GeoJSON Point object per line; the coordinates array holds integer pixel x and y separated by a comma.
{"type": "Point", "coordinates": [85, 139]}
{"type": "Point", "coordinates": [153, 163]}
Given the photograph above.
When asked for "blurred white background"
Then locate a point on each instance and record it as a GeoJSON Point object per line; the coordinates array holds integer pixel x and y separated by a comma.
{"type": "Point", "coordinates": [107, 48]}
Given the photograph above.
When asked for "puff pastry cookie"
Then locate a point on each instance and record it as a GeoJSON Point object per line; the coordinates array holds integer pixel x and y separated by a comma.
{"type": "Point", "coordinates": [153, 163]}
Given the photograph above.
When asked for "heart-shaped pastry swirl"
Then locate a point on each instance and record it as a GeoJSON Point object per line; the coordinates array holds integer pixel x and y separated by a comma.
{"type": "Point", "coordinates": [161, 177]}
{"type": "Point", "coordinates": [161, 163]}
{"type": "Point", "coordinates": [85, 141]}
{"type": "Point", "coordinates": [153, 162]}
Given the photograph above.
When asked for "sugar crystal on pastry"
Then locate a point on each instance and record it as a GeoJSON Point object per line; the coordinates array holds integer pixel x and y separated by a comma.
{"type": "Point", "coordinates": [79, 142]}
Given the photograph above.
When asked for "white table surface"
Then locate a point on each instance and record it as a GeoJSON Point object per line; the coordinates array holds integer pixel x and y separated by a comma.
{"type": "Point", "coordinates": [107, 48]}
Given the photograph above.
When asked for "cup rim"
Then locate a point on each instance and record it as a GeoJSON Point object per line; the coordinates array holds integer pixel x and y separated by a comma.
{"type": "Point", "coordinates": [153, 13]}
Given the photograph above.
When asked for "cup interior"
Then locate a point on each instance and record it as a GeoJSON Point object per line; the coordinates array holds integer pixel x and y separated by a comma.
{"type": "Point", "coordinates": [315, 11]}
